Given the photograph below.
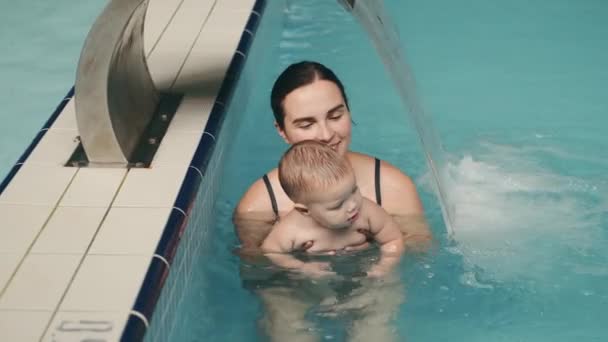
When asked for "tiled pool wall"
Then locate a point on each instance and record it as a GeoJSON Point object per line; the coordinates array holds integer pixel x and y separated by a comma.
{"type": "Point", "coordinates": [168, 278]}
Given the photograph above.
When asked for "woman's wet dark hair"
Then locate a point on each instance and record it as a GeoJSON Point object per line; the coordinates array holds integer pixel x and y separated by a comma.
{"type": "Point", "coordinates": [295, 76]}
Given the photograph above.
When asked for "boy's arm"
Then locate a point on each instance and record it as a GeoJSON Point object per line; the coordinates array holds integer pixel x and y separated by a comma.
{"type": "Point", "coordinates": [277, 246]}
{"type": "Point", "coordinates": [280, 243]}
{"type": "Point", "coordinates": [387, 234]}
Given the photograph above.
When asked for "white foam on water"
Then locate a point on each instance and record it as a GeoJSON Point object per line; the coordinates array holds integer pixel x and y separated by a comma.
{"type": "Point", "coordinates": [514, 217]}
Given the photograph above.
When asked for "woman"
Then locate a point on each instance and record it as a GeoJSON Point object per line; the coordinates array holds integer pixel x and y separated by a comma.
{"type": "Point", "coordinates": [309, 103]}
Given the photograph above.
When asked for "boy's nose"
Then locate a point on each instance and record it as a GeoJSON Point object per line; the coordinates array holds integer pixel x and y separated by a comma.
{"type": "Point", "coordinates": [351, 206]}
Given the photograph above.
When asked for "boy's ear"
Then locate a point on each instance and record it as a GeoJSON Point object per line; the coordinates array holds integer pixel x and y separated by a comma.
{"type": "Point", "coordinates": [301, 208]}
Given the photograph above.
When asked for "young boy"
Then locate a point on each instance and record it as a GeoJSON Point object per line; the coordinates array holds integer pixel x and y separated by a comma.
{"type": "Point", "coordinates": [329, 211]}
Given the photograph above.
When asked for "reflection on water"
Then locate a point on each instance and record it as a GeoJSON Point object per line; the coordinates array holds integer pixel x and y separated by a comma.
{"type": "Point", "coordinates": [298, 308]}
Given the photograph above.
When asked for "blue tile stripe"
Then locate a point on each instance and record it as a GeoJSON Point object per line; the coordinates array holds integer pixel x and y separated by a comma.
{"type": "Point", "coordinates": [169, 240]}
{"type": "Point", "coordinates": [9, 177]}
{"type": "Point", "coordinates": [136, 329]}
{"type": "Point", "coordinates": [157, 273]}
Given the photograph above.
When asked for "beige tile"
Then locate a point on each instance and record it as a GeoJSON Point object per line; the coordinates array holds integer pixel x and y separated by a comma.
{"type": "Point", "coordinates": [106, 283]}
{"type": "Point", "coordinates": [93, 187]}
{"type": "Point", "coordinates": [67, 118]}
{"type": "Point", "coordinates": [177, 40]}
{"type": "Point", "coordinates": [207, 63]}
{"type": "Point", "coordinates": [153, 187]}
{"type": "Point", "coordinates": [23, 326]}
{"type": "Point", "coordinates": [229, 16]}
{"type": "Point", "coordinates": [158, 16]}
{"type": "Point", "coordinates": [69, 231]}
{"type": "Point", "coordinates": [8, 265]}
{"type": "Point", "coordinates": [176, 148]}
{"type": "Point", "coordinates": [193, 112]}
{"type": "Point", "coordinates": [237, 5]}
{"type": "Point", "coordinates": [55, 148]}
{"type": "Point", "coordinates": [38, 185]}
{"type": "Point", "coordinates": [133, 231]}
{"type": "Point", "coordinates": [70, 326]}
{"type": "Point", "coordinates": [19, 226]}
{"type": "Point", "coordinates": [39, 283]}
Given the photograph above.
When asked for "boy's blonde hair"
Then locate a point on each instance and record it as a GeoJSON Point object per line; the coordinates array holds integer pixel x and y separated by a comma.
{"type": "Point", "coordinates": [310, 166]}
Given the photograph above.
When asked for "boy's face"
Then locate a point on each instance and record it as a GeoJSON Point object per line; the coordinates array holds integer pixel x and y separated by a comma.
{"type": "Point", "coordinates": [337, 207]}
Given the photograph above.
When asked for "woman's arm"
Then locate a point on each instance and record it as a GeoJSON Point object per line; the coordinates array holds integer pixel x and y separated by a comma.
{"type": "Point", "coordinates": [399, 195]}
{"type": "Point", "coordinates": [253, 217]}
{"type": "Point", "coordinates": [388, 236]}
{"type": "Point", "coordinates": [400, 199]}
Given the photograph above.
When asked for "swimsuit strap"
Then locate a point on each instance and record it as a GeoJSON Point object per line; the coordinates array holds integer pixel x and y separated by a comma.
{"type": "Point", "coordinates": [377, 182]}
{"type": "Point", "coordinates": [273, 200]}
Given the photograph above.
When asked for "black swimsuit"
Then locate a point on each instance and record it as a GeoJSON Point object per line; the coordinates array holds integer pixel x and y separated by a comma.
{"type": "Point", "coordinates": [273, 199]}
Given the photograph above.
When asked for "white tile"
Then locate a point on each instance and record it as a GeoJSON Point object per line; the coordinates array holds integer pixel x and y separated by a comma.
{"type": "Point", "coordinates": [8, 265]}
{"type": "Point", "coordinates": [93, 187]}
{"type": "Point", "coordinates": [38, 185]}
{"type": "Point", "coordinates": [23, 326]}
{"type": "Point", "coordinates": [71, 326]}
{"type": "Point", "coordinates": [40, 282]}
{"type": "Point", "coordinates": [19, 226]}
{"type": "Point", "coordinates": [193, 113]}
{"type": "Point", "coordinates": [69, 231]}
{"type": "Point", "coordinates": [55, 148]}
{"type": "Point", "coordinates": [106, 283]}
{"type": "Point", "coordinates": [67, 118]}
{"type": "Point", "coordinates": [177, 40]}
{"type": "Point", "coordinates": [151, 187]}
{"type": "Point", "coordinates": [176, 148]}
{"type": "Point", "coordinates": [158, 16]}
{"type": "Point", "coordinates": [134, 231]}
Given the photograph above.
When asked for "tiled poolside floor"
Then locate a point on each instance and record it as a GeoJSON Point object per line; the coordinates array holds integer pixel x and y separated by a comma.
{"type": "Point", "coordinates": [75, 243]}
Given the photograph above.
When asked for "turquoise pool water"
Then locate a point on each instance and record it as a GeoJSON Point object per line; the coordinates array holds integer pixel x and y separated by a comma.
{"type": "Point", "coordinates": [516, 94]}
{"type": "Point", "coordinates": [41, 43]}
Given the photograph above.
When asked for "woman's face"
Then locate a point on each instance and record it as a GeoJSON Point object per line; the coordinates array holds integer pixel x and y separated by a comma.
{"type": "Point", "coordinates": [317, 111]}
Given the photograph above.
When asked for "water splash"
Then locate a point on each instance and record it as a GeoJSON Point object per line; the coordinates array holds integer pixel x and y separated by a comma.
{"type": "Point", "coordinates": [515, 216]}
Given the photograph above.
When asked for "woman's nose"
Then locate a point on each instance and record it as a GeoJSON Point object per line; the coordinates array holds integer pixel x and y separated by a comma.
{"type": "Point", "coordinates": [325, 133]}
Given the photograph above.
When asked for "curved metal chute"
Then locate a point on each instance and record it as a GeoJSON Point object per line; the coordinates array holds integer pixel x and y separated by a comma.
{"type": "Point", "coordinates": [115, 95]}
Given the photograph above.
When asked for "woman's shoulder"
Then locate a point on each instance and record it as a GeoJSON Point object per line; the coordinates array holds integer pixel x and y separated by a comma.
{"type": "Point", "coordinates": [362, 159]}
{"type": "Point", "coordinates": [399, 195]}
{"type": "Point", "coordinates": [362, 162]}
{"type": "Point", "coordinates": [257, 198]}
{"type": "Point", "coordinates": [359, 157]}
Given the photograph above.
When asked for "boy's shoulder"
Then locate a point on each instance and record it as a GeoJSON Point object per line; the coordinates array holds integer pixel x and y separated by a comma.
{"type": "Point", "coordinates": [370, 207]}
{"type": "Point", "coordinates": [290, 221]}
{"type": "Point", "coordinates": [372, 213]}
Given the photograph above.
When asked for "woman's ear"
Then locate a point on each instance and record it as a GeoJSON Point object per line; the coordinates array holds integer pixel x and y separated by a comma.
{"type": "Point", "coordinates": [281, 132]}
{"type": "Point", "coordinates": [301, 208]}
